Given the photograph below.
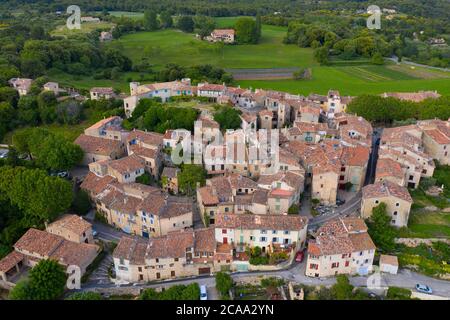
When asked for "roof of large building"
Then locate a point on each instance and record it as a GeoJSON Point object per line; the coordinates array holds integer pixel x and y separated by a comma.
{"type": "Point", "coordinates": [386, 189]}
{"type": "Point", "coordinates": [8, 262]}
{"type": "Point", "coordinates": [149, 138]}
{"type": "Point", "coordinates": [48, 245]}
{"type": "Point", "coordinates": [95, 145]}
{"type": "Point", "coordinates": [386, 167]}
{"type": "Point", "coordinates": [127, 164]}
{"type": "Point", "coordinates": [71, 222]}
{"type": "Point", "coordinates": [341, 236]}
{"type": "Point", "coordinates": [260, 222]}
{"type": "Point", "coordinates": [96, 184]}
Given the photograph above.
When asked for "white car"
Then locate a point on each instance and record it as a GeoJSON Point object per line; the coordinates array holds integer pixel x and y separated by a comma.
{"type": "Point", "coordinates": [203, 293]}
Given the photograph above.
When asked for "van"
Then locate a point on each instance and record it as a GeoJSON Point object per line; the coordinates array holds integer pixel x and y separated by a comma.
{"type": "Point", "coordinates": [203, 294]}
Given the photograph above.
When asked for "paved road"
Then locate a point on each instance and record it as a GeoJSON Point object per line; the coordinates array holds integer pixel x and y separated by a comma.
{"type": "Point", "coordinates": [296, 273]}
{"type": "Point", "coordinates": [395, 59]}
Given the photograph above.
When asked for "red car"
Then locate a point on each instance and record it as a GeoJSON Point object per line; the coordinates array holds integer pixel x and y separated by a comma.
{"type": "Point", "coordinates": [300, 256]}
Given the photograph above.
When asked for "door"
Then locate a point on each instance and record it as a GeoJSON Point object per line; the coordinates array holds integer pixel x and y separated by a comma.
{"type": "Point", "coordinates": [145, 234]}
{"type": "Point", "coordinates": [204, 271]}
{"type": "Point", "coordinates": [225, 240]}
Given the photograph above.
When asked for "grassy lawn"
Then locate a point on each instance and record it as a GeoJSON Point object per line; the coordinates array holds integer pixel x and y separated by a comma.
{"type": "Point", "coordinates": [86, 27]}
{"type": "Point", "coordinates": [350, 77]}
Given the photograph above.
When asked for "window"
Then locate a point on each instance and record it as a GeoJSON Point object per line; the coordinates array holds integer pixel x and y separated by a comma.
{"type": "Point", "coordinates": [314, 266]}
{"type": "Point", "coordinates": [263, 231]}
{"type": "Point", "coordinates": [274, 231]}
{"type": "Point", "coordinates": [263, 239]}
{"type": "Point", "coordinates": [335, 265]}
{"type": "Point", "coordinates": [393, 221]}
{"type": "Point", "coordinates": [224, 231]}
{"type": "Point", "coordinates": [274, 239]}
{"type": "Point", "coordinates": [122, 261]}
{"type": "Point", "coordinates": [286, 232]}
{"type": "Point", "coordinates": [377, 202]}
{"type": "Point", "coordinates": [397, 204]}
{"type": "Point", "coordinates": [347, 263]}
{"type": "Point", "coordinates": [227, 209]}
{"type": "Point", "coordinates": [395, 213]}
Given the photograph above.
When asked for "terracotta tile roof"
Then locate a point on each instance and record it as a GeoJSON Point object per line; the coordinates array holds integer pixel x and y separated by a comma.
{"type": "Point", "coordinates": [132, 249]}
{"type": "Point", "coordinates": [48, 245]}
{"type": "Point", "coordinates": [317, 97]}
{"type": "Point", "coordinates": [71, 222]}
{"type": "Point", "coordinates": [95, 184]}
{"type": "Point", "coordinates": [210, 87]}
{"type": "Point", "coordinates": [95, 145]}
{"type": "Point", "coordinates": [248, 117]}
{"type": "Point", "coordinates": [143, 152]}
{"type": "Point", "coordinates": [8, 262]}
{"type": "Point", "coordinates": [387, 167]}
{"type": "Point", "coordinates": [387, 259]}
{"type": "Point", "coordinates": [341, 236]}
{"type": "Point", "coordinates": [259, 222]}
{"type": "Point", "coordinates": [172, 245]}
{"type": "Point", "coordinates": [208, 198]}
{"type": "Point", "coordinates": [149, 138]}
{"type": "Point", "coordinates": [260, 196]}
{"type": "Point", "coordinates": [105, 121]}
{"type": "Point", "coordinates": [412, 96]}
{"type": "Point", "coordinates": [438, 136]}
{"type": "Point", "coordinates": [386, 189]}
{"type": "Point", "coordinates": [208, 122]}
{"type": "Point", "coordinates": [222, 32]}
{"type": "Point", "coordinates": [205, 240]}
{"type": "Point", "coordinates": [127, 164]}
{"type": "Point", "coordinates": [265, 113]}
{"type": "Point", "coordinates": [103, 90]}
{"type": "Point", "coordinates": [240, 182]}
{"type": "Point", "coordinates": [170, 172]}
{"type": "Point", "coordinates": [361, 241]}
{"type": "Point", "coordinates": [355, 156]}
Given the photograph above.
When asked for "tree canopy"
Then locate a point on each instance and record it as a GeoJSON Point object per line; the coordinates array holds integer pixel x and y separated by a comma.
{"type": "Point", "coordinates": [380, 229]}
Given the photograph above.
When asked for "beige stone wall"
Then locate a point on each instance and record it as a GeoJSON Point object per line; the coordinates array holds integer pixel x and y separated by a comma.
{"type": "Point", "coordinates": [398, 209]}
{"type": "Point", "coordinates": [324, 187]}
{"type": "Point", "coordinates": [436, 150]}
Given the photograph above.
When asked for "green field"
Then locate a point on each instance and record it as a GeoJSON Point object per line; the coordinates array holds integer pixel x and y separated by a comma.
{"type": "Point", "coordinates": [349, 77]}
{"type": "Point", "coordinates": [86, 27]}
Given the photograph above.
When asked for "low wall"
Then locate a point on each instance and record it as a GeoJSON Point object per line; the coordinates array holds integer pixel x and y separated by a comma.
{"type": "Point", "coordinates": [414, 242]}
{"type": "Point", "coordinates": [424, 296]}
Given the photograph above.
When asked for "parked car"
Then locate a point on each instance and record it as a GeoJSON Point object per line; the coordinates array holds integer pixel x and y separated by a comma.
{"type": "Point", "coordinates": [61, 174]}
{"type": "Point", "coordinates": [423, 288]}
{"type": "Point", "coordinates": [3, 153]}
{"type": "Point", "coordinates": [340, 202]}
{"type": "Point", "coordinates": [300, 256]}
{"type": "Point", "coordinates": [203, 293]}
{"type": "Point", "coordinates": [94, 233]}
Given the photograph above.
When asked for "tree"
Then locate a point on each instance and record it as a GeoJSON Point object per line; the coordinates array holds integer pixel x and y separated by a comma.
{"type": "Point", "coordinates": [258, 26]}
{"type": "Point", "coordinates": [342, 289]}
{"type": "Point", "coordinates": [146, 179]}
{"type": "Point", "coordinates": [377, 59]}
{"type": "Point", "coordinates": [69, 112]}
{"type": "Point", "coordinates": [380, 228]}
{"type": "Point", "coordinates": [150, 20]}
{"type": "Point", "coordinates": [189, 176]}
{"type": "Point", "coordinates": [246, 31]}
{"type": "Point", "coordinates": [6, 117]}
{"type": "Point", "coordinates": [228, 118]}
{"type": "Point", "coordinates": [224, 283]}
{"type": "Point", "coordinates": [321, 55]}
{"type": "Point", "coordinates": [81, 203]}
{"type": "Point", "coordinates": [205, 25]}
{"type": "Point", "coordinates": [185, 24]}
{"type": "Point", "coordinates": [47, 280]}
{"type": "Point", "coordinates": [22, 291]}
{"type": "Point", "coordinates": [89, 295]}
{"type": "Point", "coordinates": [50, 151]}
{"type": "Point", "coordinates": [42, 198]}
{"type": "Point", "coordinates": [47, 102]}
{"type": "Point", "coordinates": [166, 19]}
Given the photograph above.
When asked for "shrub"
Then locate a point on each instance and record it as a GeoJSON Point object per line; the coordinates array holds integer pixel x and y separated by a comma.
{"type": "Point", "coordinates": [224, 283]}
{"type": "Point", "coordinates": [395, 293]}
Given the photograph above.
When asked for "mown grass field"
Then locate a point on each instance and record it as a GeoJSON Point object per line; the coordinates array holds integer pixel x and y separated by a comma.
{"type": "Point", "coordinates": [86, 27]}
{"type": "Point", "coordinates": [349, 77]}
